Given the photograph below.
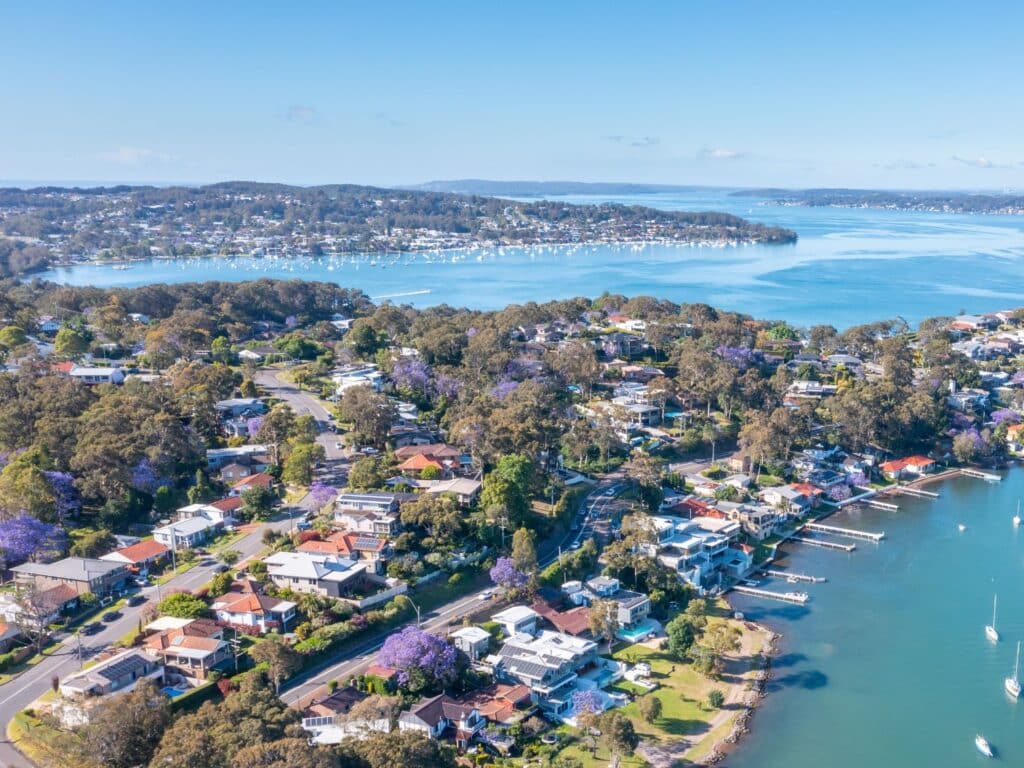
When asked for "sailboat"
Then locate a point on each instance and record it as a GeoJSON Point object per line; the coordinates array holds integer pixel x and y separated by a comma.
{"type": "Point", "coordinates": [1016, 518]}
{"type": "Point", "coordinates": [990, 629]}
{"type": "Point", "coordinates": [982, 745]}
{"type": "Point", "coordinates": [1012, 684]}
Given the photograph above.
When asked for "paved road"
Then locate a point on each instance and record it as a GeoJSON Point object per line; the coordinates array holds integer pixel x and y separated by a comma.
{"type": "Point", "coordinates": [27, 687]}
{"type": "Point", "coordinates": [438, 621]}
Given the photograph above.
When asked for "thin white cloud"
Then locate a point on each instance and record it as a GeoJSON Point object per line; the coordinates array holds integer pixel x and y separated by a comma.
{"type": "Point", "coordinates": [902, 165]}
{"type": "Point", "coordinates": [301, 113]}
{"type": "Point", "coordinates": [976, 162]}
{"type": "Point", "coordinates": [721, 153]}
{"type": "Point", "coordinates": [134, 156]}
{"type": "Point", "coordinates": [388, 120]}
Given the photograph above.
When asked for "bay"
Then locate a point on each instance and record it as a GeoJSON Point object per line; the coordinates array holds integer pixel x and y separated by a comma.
{"type": "Point", "coordinates": [888, 664]}
{"type": "Point", "coordinates": [849, 266]}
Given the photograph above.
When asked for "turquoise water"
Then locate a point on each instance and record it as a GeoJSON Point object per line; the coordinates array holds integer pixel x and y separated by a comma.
{"type": "Point", "coordinates": [849, 266]}
{"type": "Point", "coordinates": [888, 664]}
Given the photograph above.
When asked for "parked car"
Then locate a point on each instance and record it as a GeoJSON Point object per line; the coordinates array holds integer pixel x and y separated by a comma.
{"type": "Point", "coordinates": [110, 616]}
{"type": "Point", "coordinates": [92, 628]}
{"type": "Point", "coordinates": [220, 568]}
{"type": "Point", "coordinates": [136, 600]}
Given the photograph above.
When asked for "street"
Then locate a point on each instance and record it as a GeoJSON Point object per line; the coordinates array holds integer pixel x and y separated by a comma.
{"type": "Point", "coordinates": [20, 692]}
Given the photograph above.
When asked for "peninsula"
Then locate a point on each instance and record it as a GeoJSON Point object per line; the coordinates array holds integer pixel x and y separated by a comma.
{"type": "Point", "coordinates": [60, 225]}
{"type": "Point", "coordinates": [932, 202]}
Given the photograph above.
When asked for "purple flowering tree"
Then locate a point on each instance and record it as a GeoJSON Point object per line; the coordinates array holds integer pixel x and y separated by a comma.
{"type": "Point", "coordinates": [253, 425]}
{"type": "Point", "coordinates": [67, 501]}
{"type": "Point", "coordinates": [740, 357]}
{"type": "Point", "coordinates": [505, 575]}
{"type": "Point", "coordinates": [856, 478]}
{"type": "Point", "coordinates": [411, 375]}
{"type": "Point", "coordinates": [321, 493]}
{"type": "Point", "coordinates": [503, 388]}
{"type": "Point", "coordinates": [839, 492]}
{"type": "Point", "coordinates": [145, 478]}
{"type": "Point", "coordinates": [421, 660]}
{"type": "Point", "coordinates": [26, 538]}
{"type": "Point", "coordinates": [1005, 414]}
{"type": "Point", "coordinates": [587, 701]}
{"type": "Point", "coordinates": [1018, 378]}
{"type": "Point", "coordinates": [446, 386]}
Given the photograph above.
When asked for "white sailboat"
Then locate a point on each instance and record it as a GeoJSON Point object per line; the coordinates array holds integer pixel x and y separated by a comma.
{"type": "Point", "coordinates": [962, 527]}
{"type": "Point", "coordinates": [981, 743]}
{"type": "Point", "coordinates": [990, 629]}
{"type": "Point", "coordinates": [1016, 518]}
{"type": "Point", "coordinates": [1012, 684]}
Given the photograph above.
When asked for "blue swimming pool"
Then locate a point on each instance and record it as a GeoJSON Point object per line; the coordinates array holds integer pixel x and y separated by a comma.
{"type": "Point", "coordinates": [172, 693]}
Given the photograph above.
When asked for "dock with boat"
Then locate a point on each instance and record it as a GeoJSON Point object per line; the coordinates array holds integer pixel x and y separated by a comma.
{"type": "Point", "coordinates": [793, 576]}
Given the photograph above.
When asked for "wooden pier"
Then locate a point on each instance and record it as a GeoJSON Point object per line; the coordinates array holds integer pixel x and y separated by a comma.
{"type": "Point", "coordinates": [882, 505]}
{"type": "Point", "coordinates": [920, 492]}
{"type": "Point", "coordinates": [789, 576]}
{"type": "Point", "coordinates": [787, 597]}
{"type": "Point", "coordinates": [825, 544]}
{"type": "Point", "coordinates": [967, 472]}
{"type": "Point", "coordinates": [850, 533]}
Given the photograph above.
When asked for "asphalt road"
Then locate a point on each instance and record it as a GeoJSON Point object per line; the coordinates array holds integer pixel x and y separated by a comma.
{"type": "Point", "coordinates": [437, 621]}
{"type": "Point", "coordinates": [20, 692]}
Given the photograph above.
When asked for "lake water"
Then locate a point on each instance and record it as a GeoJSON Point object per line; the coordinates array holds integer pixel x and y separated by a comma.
{"type": "Point", "coordinates": [849, 266]}
{"type": "Point", "coordinates": [888, 664]}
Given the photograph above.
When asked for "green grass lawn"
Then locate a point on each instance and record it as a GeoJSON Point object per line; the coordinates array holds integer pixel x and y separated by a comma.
{"type": "Point", "coordinates": [46, 747]}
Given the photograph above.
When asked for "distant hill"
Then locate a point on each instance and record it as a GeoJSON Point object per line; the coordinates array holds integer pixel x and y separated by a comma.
{"type": "Point", "coordinates": [900, 200]}
{"type": "Point", "coordinates": [542, 188]}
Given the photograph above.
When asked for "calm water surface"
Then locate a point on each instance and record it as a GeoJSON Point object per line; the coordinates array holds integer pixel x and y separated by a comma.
{"type": "Point", "coordinates": [849, 266]}
{"type": "Point", "coordinates": [888, 664]}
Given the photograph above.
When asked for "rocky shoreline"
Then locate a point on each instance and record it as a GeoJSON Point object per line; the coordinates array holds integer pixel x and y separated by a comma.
{"type": "Point", "coordinates": [741, 725]}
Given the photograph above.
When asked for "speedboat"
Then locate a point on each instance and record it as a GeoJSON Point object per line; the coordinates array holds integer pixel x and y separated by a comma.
{"type": "Point", "coordinates": [962, 527]}
{"type": "Point", "coordinates": [982, 745]}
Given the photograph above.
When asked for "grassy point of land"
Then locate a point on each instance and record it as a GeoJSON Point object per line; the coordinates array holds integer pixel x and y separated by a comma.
{"type": "Point", "coordinates": [688, 728]}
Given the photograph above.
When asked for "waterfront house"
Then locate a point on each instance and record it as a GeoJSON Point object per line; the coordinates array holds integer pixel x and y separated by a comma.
{"type": "Point", "coordinates": [914, 466]}
{"type": "Point", "coordinates": [548, 665]}
{"type": "Point", "coordinates": [786, 499]}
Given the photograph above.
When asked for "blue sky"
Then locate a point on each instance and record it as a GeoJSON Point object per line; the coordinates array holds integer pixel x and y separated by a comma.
{"type": "Point", "coordinates": [730, 93]}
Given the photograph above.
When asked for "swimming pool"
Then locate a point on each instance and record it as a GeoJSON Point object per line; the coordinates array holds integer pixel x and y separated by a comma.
{"type": "Point", "coordinates": [172, 692]}
{"type": "Point", "coordinates": [642, 630]}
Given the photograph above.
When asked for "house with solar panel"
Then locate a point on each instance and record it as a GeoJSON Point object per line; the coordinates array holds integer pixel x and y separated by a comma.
{"type": "Point", "coordinates": [118, 674]}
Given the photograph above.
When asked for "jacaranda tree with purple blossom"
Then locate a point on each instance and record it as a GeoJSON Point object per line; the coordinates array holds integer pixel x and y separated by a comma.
{"type": "Point", "coordinates": [145, 477]}
{"type": "Point", "coordinates": [504, 574]}
{"type": "Point", "coordinates": [320, 493]}
{"type": "Point", "coordinates": [26, 538]}
{"type": "Point", "coordinates": [412, 377]}
{"type": "Point", "coordinates": [67, 502]}
{"type": "Point", "coordinates": [421, 660]}
{"type": "Point", "coordinates": [587, 701]}
{"type": "Point", "coordinates": [1005, 414]}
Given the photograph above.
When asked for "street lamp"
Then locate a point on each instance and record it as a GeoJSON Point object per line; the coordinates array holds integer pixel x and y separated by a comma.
{"type": "Point", "coordinates": [416, 607]}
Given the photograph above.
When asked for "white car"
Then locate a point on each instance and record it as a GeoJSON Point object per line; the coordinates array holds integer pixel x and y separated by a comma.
{"type": "Point", "coordinates": [337, 446]}
{"type": "Point", "coordinates": [487, 594]}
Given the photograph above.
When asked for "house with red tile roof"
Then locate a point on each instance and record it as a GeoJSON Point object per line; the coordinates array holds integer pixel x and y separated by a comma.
{"type": "Point", "coordinates": [139, 557]}
{"type": "Point", "coordinates": [909, 465]}
{"type": "Point", "coordinates": [258, 480]}
{"type": "Point", "coordinates": [193, 650]}
{"type": "Point", "coordinates": [248, 609]}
